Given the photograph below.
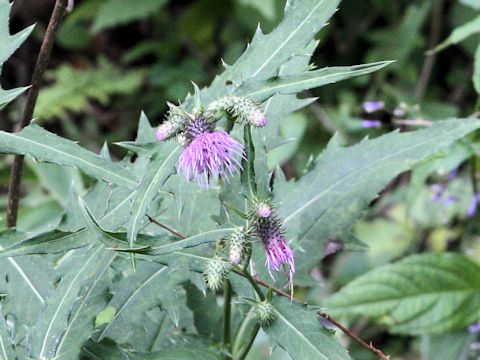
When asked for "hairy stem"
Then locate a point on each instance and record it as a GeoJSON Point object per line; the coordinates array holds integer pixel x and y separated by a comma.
{"type": "Point", "coordinates": [227, 314]}
{"type": "Point", "coordinates": [42, 62]}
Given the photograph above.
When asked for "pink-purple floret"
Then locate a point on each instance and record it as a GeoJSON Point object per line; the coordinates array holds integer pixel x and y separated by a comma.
{"type": "Point", "coordinates": [164, 131]}
{"type": "Point", "coordinates": [211, 155]}
{"type": "Point", "coordinates": [279, 254]}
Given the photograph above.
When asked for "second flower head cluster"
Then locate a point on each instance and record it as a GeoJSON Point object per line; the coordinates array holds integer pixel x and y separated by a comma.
{"type": "Point", "coordinates": [209, 152]}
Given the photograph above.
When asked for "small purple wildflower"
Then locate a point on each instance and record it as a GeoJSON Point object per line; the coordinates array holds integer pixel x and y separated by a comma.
{"type": "Point", "coordinates": [472, 208]}
{"type": "Point", "coordinates": [452, 174]}
{"type": "Point", "coordinates": [372, 106]}
{"type": "Point", "coordinates": [210, 154]}
{"type": "Point", "coordinates": [449, 199]}
{"type": "Point", "coordinates": [366, 124]}
{"type": "Point", "coordinates": [437, 192]}
{"type": "Point", "coordinates": [474, 328]}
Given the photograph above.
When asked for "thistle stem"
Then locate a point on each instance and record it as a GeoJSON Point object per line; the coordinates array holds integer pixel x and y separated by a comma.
{"type": "Point", "coordinates": [244, 327]}
{"type": "Point", "coordinates": [42, 62]}
{"type": "Point", "coordinates": [248, 346]}
{"type": "Point", "coordinates": [227, 314]}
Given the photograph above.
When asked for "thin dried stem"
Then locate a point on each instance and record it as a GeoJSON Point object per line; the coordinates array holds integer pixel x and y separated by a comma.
{"type": "Point", "coordinates": [42, 62]}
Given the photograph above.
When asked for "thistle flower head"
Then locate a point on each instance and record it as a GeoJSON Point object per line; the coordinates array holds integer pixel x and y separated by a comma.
{"type": "Point", "coordinates": [278, 253]}
{"type": "Point", "coordinates": [264, 312]}
{"type": "Point", "coordinates": [243, 109]}
{"type": "Point", "coordinates": [238, 245]}
{"type": "Point", "coordinates": [263, 210]}
{"type": "Point", "coordinates": [210, 154]}
{"type": "Point", "coordinates": [215, 273]}
{"type": "Point", "coordinates": [164, 131]}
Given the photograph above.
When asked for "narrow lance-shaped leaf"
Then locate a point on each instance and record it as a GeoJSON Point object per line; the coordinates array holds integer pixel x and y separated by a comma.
{"type": "Point", "coordinates": [297, 329]}
{"type": "Point", "coordinates": [421, 294]}
{"type": "Point", "coordinates": [262, 90]}
{"type": "Point", "coordinates": [158, 172]}
{"type": "Point", "coordinates": [326, 202]}
{"type": "Point", "coordinates": [460, 33]}
{"type": "Point", "coordinates": [46, 146]}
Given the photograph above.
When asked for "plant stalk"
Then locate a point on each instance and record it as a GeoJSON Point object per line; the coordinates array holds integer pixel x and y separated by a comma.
{"type": "Point", "coordinates": [248, 346]}
{"type": "Point", "coordinates": [227, 315]}
{"type": "Point", "coordinates": [42, 62]}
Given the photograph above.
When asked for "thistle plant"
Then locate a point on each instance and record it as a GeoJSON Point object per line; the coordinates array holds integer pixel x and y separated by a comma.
{"type": "Point", "coordinates": [144, 263]}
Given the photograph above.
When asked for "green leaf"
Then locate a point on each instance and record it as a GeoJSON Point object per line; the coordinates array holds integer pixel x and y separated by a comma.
{"type": "Point", "coordinates": [297, 329]}
{"type": "Point", "coordinates": [262, 90]}
{"type": "Point", "coordinates": [81, 321]}
{"type": "Point", "coordinates": [150, 285]}
{"type": "Point", "coordinates": [73, 88]}
{"type": "Point", "coordinates": [51, 325]}
{"type": "Point", "coordinates": [159, 170]}
{"type": "Point", "coordinates": [45, 146]}
{"type": "Point", "coordinates": [8, 45]}
{"type": "Point", "coordinates": [7, 352]}
{"type": "Point", "coordinates": [421, 294]}
{"type": "Point", "coordinates": [327, 201]}
{"type": "Point", "coordinates": [118, 12]}
{"type": "Point", "coordinates": [267, 53]}
{"type": "Point", "coordinates": [460, 33]}
{"type": "Point", "coordinates": [476, 71]}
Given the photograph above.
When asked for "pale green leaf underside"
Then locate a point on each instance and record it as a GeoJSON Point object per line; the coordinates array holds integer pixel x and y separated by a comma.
{"type": "Point", "coordinates": [48, 147]}
{"type": "Point", "coordinates": [428, 293]}
{"type": "Point", "coordinates": [297, 329]}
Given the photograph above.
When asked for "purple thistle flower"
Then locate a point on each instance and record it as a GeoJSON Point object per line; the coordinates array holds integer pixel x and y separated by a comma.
{"type": "Point", "coordinates": [372, 106]}
{"type": "Point", "coordinates": [277, 250]}
{"type": "Point", "coordinates": [474, 328]}
{"type": "Point", "coordinates": [257, 118]}
{"type": "Point", "coordinates": [366, 124]}
{"type": "Point", "coordinates": [210, 154]}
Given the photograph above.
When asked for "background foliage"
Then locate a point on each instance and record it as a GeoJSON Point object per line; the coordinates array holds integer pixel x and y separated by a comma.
{"type": "Point", "coordinates": [414, 290]}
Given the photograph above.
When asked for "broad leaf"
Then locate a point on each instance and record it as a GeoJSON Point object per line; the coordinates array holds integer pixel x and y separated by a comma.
{"type": "Point", "coordinates": [421, 294]}
{"type": "Point", "coordinates": [297, 329]}
{"type": "Point", "coordinates": [327, 201]}
{"type": "Point", "coordinates": [8, 45]}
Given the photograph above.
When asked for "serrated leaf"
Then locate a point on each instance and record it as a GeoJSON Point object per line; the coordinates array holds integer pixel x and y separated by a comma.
{"type": "Point", "coordinates": [421, 294]}
{"type": "Point", "coordinates": [48, 147]}
{"type": "Point", "coordinates": [51, 325]}
{"type": "Point", "coordinates": [159, 170]}
{"type": "Point", "coordinates": [297, 329]}
{"type": "Point", "coordinates": [8, 45]}
{"type": "Point", "coordinates": [266, 53]}
{"type": "Point", "coordinates": [326, 202]}
{"type": "Point", "coordinates": [293, 84]}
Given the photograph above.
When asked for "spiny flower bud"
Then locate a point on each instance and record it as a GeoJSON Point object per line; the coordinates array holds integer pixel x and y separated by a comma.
{"type": "Point", "coordinates": [215, 272]}
{"type": "Point", "coordinates": [263, 210]}
{"type": "Point", "coordinates": [238, 243]}
{"type": "Point", "coordinates": [264, 312]}
{"type": "Point", "coordinates": [243, 109]}
{"type": "Point", "coordinates": [176, 120]}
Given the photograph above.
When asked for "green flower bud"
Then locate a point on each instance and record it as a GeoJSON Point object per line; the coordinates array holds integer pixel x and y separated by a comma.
{"type": "Point", "coordinates": [215, 273]}
{"type": "Point", "coordinates": [238, 245]}
{"type": "Point", "coordinates": [264, 312]}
